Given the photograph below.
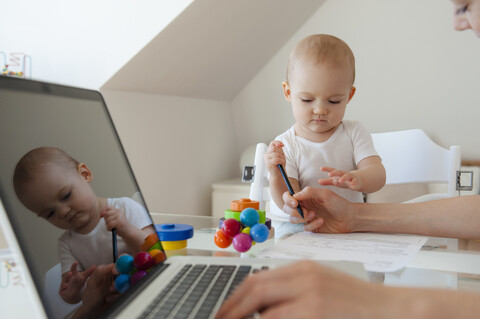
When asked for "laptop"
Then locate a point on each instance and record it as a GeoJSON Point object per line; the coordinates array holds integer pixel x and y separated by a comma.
{"type": "Point", "coordinates": [34, 114]}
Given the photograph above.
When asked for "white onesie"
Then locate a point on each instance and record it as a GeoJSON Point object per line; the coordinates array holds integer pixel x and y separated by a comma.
{"type": "Point", "coordinates": [349, 144]}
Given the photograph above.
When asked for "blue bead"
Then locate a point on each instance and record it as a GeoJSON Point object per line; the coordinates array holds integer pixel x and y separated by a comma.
{"type": "Point", "coordinates": [259, 233]}
{"type": "Point", "coordinates": [122, 283]}
{"type": "Point", "coordinates": [249, 217]}
{"type": "Point", "coordinates": [124, 264]}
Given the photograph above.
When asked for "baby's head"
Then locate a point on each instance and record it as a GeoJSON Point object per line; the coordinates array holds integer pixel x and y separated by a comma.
{"type": "Point", "coordinates": [320, 76]}
{"type": "Point", "coordinates": [321, 49]}
{"type": "Point", "coordinates": [55, 186]}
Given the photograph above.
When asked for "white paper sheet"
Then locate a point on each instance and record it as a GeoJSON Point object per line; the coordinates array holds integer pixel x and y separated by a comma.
{"type": "Point", "coordinates": [378, 252]}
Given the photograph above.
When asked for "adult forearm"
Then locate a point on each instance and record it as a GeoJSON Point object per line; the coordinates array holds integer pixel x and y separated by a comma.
{"type": "Point", "coordinates": [457, 217]}
{"type": "Point", "coordinates": [417, 303]}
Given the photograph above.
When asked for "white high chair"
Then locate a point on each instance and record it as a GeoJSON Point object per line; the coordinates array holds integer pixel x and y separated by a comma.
{"type": "Point", "coordinates": [410, 156]}
{"type": "Point", "coordinates": [259, 188]}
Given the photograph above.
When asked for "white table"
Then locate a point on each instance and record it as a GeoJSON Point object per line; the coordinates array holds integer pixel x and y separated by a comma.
{"type": "Point", "coordinates": [439, 268]}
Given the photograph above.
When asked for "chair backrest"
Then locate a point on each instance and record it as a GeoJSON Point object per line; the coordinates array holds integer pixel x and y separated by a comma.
{"type": "Point", "coordinates": [410, 156]}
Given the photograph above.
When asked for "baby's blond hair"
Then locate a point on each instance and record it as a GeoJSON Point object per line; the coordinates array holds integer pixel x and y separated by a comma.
{"type": "Point", "coordinates": [319, 48]}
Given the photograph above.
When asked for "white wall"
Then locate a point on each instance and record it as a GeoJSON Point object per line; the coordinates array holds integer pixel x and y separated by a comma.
{"type": "Point", "coordinates": [413, 70]}
{"type": "Point", "coordinates": [80, 43]}
{"type": "Point", "coordinates": [178, 147]}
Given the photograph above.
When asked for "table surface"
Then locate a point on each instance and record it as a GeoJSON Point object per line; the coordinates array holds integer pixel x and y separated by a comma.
{"type": "Point", "coordinates": [432, 267]}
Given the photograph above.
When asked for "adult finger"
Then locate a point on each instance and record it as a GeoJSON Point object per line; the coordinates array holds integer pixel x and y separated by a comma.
{"type": "Point", "coordinates": [73, 267]}
{"type": "Point", "coordinates": [89, 271]}
{"type": "Point", "coordinates": [311, 226]}
{"type": "Point", "coordinates": [288, 309]}
{"type": "Point", "coordinates": [260, 291]}
{"type": "Point", "coordinates": [289, 200]}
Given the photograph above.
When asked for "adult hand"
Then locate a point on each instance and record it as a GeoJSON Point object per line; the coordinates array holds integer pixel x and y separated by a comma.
{"type": "Point", "coordinates": [324, 211]}
{"type": "Point", "coordinates": [306, 289]}
{"type": "Point", "coordinates": [99, 292]}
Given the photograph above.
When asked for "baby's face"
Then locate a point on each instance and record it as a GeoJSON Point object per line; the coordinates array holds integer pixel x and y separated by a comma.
{"type": "Point", "coordinates": [63, 197]}
{"type": "Point", "coordinates": [466, 15]}
{"type": "Point", "coordinates": [319, 94]}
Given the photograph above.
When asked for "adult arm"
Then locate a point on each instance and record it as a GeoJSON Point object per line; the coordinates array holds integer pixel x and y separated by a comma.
{"type": "Point", "coordinates": [456, 217]}
{"type": "Point", "coordinates": [309, 290]}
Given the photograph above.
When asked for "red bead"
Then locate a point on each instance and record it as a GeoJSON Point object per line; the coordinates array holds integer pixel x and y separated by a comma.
{"type": "Point", "coordinates": [143, 261]}
{"type": "Point", "coordinates": [231, 227]}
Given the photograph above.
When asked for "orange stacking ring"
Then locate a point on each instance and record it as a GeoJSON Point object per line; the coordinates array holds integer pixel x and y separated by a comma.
{"type": "Point", "coordinates": [241, 204]}
{"type": "Point", "coordinates": [151, 240]}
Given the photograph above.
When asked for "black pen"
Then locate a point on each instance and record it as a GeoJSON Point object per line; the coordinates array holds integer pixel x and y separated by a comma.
{"type": "Point", "coordinates": [290, 189]}
{"type": "Point", "coordinates": [114, 243]}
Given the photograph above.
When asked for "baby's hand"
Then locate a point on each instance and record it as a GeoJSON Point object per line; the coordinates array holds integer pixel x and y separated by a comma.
{"type": "Point", "coordinates": [274, 155]}
{"type": "Point", "coordinates": [73, 282]}
{"type": "Point", "coordinates": [115, 218]}
{"type": "Point", "coordinates": [340, 178]}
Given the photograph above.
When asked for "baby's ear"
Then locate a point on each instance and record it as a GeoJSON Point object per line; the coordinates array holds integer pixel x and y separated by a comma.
{"type": "Point", "coordinates": [352, 93]}
{"type": "Point", "coordinates": [85, 172]}
{"type": "Point", "coordinates": [286, 91]}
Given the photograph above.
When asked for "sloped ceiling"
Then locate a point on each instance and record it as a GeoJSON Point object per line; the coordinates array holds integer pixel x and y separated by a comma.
{"type": "Point", "coordinates": [213, 48]}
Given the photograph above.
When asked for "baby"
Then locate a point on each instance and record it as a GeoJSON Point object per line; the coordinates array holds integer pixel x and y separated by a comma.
{"type": "Point", "coordinates": [320, 77]}
{"type": "Point", "coordinates": [56, 187]}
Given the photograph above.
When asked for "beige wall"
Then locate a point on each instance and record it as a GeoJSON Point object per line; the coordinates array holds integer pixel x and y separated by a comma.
{"type": "Point", "coordinates": [178, 147]}
{"type": "Point", "coordinates": [413, 71]}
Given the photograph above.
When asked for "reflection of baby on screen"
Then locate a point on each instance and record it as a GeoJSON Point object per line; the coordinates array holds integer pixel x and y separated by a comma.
{"type": "Point", "coordinates": [56, 187]}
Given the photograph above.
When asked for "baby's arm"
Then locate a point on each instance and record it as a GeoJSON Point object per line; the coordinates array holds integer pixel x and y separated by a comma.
{"type": "Point", "coordinates": [132, 235]}
{"type": "Point", "coordinates": [73, 282]}
{"type": "Point", "coordinates": [369, 177]}
{"type": "Point", "coordinates": [274, 155]}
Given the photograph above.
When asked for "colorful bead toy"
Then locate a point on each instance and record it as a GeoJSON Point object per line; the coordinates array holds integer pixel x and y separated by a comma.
{"type": "Point", "coordinates": [132, 269]}
{"type": "Point", "coordinates": [243, 228]}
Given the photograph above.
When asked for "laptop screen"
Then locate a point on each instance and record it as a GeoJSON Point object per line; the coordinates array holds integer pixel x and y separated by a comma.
{"type": "Point", "coordinates": [43, 116]}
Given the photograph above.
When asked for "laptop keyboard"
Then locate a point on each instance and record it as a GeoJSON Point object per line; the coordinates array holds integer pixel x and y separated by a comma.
{"type": "Point", "coordinates": [196, 291]}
